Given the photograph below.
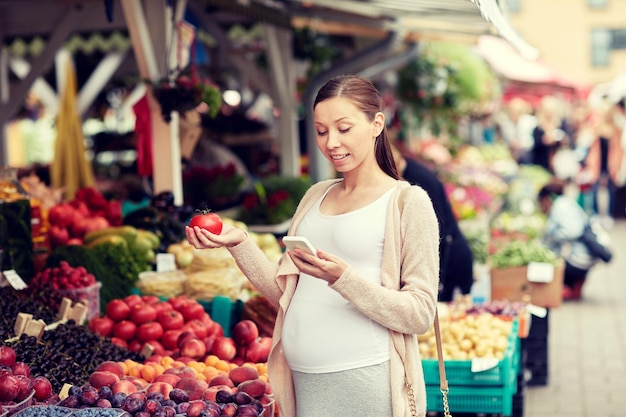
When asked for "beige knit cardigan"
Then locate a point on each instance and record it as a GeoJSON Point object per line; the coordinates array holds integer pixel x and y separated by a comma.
{"type": "Point", "coordinates": [405, 303]}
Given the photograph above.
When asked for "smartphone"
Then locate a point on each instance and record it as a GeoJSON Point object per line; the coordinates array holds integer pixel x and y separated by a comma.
{"type": "Point", "coordinates": [300, 242]}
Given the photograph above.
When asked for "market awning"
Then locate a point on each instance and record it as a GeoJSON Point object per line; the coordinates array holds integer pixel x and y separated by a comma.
{"type": "Point", "coordinates": [422, 19]}
{"type": "Point", "coordinates": [512, 65]}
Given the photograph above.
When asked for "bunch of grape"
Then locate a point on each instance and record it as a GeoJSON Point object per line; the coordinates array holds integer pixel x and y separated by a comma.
{"type": "Point", "coordinates": [68, 354]}
{"type": "Point", "coordinates": [25, 301]}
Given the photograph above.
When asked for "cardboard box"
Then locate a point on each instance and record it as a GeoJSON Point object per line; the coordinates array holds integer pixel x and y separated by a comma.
{"type": "Point", "coordinates": [512, 284]}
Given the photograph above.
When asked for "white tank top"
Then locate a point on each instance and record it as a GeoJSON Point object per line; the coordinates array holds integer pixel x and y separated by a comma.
{"type": "Point", "coordinates": [322, 331]}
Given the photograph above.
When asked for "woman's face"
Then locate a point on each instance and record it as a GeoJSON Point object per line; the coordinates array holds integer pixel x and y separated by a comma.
{"type": "Point", "coordinates": [344, 134]}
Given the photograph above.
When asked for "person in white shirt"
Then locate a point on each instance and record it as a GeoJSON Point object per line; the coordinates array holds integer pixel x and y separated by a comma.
{"type": "Point", "coordinates": [565, 224]}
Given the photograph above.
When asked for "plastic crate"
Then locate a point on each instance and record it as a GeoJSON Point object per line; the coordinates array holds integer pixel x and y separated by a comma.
{"type": "Point", "coordinates": [224, 311]}
{"type": "Point", "coordinates": [459, 372]}
{"type": "Point", "coordinates": [13, 409]}
{"type": "Point", "coordinates": [483, 400]}
{"type": "Point", "coordinates": [89, 295]}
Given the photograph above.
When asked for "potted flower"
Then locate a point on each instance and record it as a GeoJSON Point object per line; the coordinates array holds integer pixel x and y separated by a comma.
{"type": "Point", "coordinates": [184, 92]}
{"type": "Point", "coordinates": [273, 200]}
{"type": "Point", "coordinates": [216, 188]}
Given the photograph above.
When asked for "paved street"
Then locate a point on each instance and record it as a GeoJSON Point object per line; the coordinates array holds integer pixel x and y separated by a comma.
{"type": "Point", "coordinates": [587, 347]}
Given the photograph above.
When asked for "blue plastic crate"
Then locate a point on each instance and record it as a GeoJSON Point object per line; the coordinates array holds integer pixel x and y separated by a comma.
{"type": "Point", "coordinates": [484, 400]}
{"type": "Point", "coordinates": [224, 311]}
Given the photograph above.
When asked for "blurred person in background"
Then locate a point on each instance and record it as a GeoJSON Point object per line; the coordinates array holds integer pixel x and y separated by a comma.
{"type": "Point", "coordinates": [456, 261]}
{"type": "Point", "coordinates": [549, 134]}
{"type": "Point", "coordinates": [517, 127]}
{"type": "Point", "coordinates": [603, 162]}
{"type": "Point", "coordinates": [565, 223]}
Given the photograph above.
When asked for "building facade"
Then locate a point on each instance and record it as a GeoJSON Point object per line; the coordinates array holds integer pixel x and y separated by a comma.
{"type": "Point", "coordinates": [585, 40]}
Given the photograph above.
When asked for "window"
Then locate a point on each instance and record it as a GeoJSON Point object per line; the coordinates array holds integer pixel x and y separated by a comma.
{"type": "Point", "coordinates": [600, 47]}
{"type": "Point", "coordinates": [618, 39]}
{"type": "Point", "coordinates": [513, 6]}
{"type": "Point", "coordinates": [597, 4]}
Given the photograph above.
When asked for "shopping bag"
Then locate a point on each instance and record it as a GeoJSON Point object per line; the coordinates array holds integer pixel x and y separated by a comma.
{"type": "Point", "coordinates": [597, 242]}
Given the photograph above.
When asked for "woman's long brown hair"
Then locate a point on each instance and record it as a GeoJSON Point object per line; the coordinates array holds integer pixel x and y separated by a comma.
{"type": "Point", "coordinates": [368, 99]}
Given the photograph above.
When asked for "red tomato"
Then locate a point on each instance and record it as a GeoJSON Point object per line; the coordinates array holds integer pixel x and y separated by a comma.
{"type": "Point", "coordinates": [207, 221]}
{"type": "Point", "coordinates": [62, 215]}
{"type": "Point", "coordinates": [157, 348]}
{"type": "Point", "coordinates": [192, 310]}
{"type": "Point", "coordinates": [102, 325]}
{"type": "Point", "coordinates": [150, 331]}
{"type": "Point", "coordinates": [58, 235]}
{"type": "Point", "coordinates": [162, 306]}
{"type": "Point", "coordinates": [170, 338]}
{"type": "Point", "coordinates": [135, 345]}
{"type": "Point", "coordinates": [119, 342]}
{"type": "Point", "coordinates": [171, 320]}
{"type": "Point", "coordinates": [117, 309]}
{"type": "Point", "coordinates": [133, 299]}
{"type": "Point", "coordinates": [125, 330]}
{"type": "Point", "coordinates": [179, 300]}
{"type": "Point", "coordinates": [150, 299]}
{"type": "Point", "coordinates": [142, 313]}
{"type": "Point", "coordinates": [196, 326]}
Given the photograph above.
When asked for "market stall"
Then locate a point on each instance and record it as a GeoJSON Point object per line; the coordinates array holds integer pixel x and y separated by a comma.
{"type": "Point", "coordinates": [161, 313]}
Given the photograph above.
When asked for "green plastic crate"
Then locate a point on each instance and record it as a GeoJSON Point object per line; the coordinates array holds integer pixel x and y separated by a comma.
{"type": "Point", "coordinates": [459, 372]}
{"type": "Point", "coordinates": [487, 400]}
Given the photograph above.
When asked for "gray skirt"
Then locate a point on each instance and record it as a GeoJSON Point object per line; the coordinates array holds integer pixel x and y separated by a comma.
{"type": "Point", "coordinates": [360, 392]}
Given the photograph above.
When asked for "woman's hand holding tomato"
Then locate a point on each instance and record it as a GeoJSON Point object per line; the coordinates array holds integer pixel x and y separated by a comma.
{"type": "Point", "coordinates": [208, 221]}
{"type": "Point", "coordinates": [203, 239]}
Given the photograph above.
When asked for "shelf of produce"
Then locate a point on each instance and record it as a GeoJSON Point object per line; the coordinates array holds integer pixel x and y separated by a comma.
{"type": "Point", "coordinates": [490, 391]}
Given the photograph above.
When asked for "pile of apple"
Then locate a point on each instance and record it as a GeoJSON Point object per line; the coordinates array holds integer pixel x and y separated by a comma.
{"type": "Point", "coordinates": [163, 386]}
{"type": "Point", "coordinates": [17, 383]}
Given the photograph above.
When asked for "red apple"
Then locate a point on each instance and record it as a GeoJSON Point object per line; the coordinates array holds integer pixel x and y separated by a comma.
{"type": "Point", "coordinates": [9, 387]}
{"type": "Point", "coordinates": [111, 366]}
{"type": "Point", "coordinates": [184, 336]}
{"type": "Point", "coordinates": [99, 379]}
{"type": "Point", "coordinates": [162, 387]}
{"type": "Point", "coordinates": [259, 350]}
{"type": "Point", "coordinates": [24, 387]}
{"type": "Point", "coordinates": [193, 348]}
{"type": "Point", "coordinates": [21, 368]}
{"type": "Point", "coordinates": [245, 332]}
{"type": "Point", "coordinates": [169, 378]}
{"type": "Point", "coordinates": [169, 340]}
{"type": "Point", "coordinates": [42, 387]}
{"type": "Point", "coordinates": [224, 348]}
{"type": "Point", "coordinates": [181, 371]}
{"type": "Point", "coordinates": [7, 356]}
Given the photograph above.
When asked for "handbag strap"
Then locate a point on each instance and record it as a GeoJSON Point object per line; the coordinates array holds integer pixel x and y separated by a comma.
{"type": "Point", "coordinates": [443, 381]}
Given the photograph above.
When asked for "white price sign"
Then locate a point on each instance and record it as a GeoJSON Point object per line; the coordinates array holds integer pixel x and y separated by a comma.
{"type": "Point", "coordinates": [13, 279]}
{"type": "Point", "coordinates": [540, 272]}
{"type": "Point", "coordinates": [484, 364]}
{"type": "Point", "coordinates": [165, 262]}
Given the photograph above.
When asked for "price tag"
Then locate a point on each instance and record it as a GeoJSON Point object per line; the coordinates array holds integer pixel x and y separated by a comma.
{"type": "Point", "coordinates": [537, 311]}
{"type": "Point", "coordinates": [13, 279]}
{"type": "Point", "coordinates": [540, 272]}
{"type": "Point", "coordinates": [483, 364]}
{"type": "Point", "coordinates": [165, 262]}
